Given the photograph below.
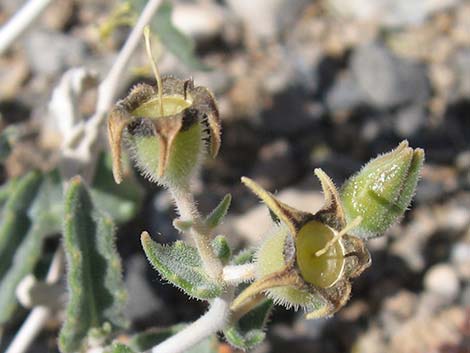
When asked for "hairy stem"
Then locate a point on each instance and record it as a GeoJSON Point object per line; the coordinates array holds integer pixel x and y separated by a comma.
{"type": "Point", "coordinates": [236, 274]}
{"type": "Point", "coordinates": [212, 321]}
{"type": "Point", "coordinates": [201, 234]}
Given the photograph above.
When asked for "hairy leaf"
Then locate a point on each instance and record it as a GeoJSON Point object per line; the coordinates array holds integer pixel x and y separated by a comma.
{"type": "Point", "coordinates": [221, 248]}
{"type": "Point", "coordinates": [217, 215]}
{"type": "Point", "coordinates": [249, 330]}
{"type": "Point", "coordinates": [245, 256]}
{"type": "Point", "coordinates": [119, 348]}
{"type": "Point", "coordinates": [96, 291]}
{"type": "Point", "coordinates": [32, 212]}
{"type": "Point", "coordinates": [181, 265]}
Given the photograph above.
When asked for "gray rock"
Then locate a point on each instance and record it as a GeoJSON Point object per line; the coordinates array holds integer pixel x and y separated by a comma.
{"type": "Point", "coordinates": [466, 296]}
{"type": "Point", "coordinates": [410, 120]}
{"type": "Point", "coordinates": [346, 94]}
{"type": "Point", "coordinates": [462, 67]}
{"type": "Point", "coordinates": [391, 13]}
{"type": "Point", "coordinates": [460, 257]}
{"type": "Point", "coordinates": [388, 80]}
{"type": "Point", "coordinates": [49, 53]}
{"type": "Point", "coordinates": [267, 18]}
{"type": "Point", "coordinates": [441, 279]}
{"type": "Point", "coordinates": [142, 301]}
{"type": "Point", "coordinates": [276, 165]}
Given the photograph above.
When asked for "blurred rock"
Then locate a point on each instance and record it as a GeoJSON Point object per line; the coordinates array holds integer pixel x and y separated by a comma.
{"type": "Point", "coordinates": [142, 301]}
{"type": "Point", "coordinates": [49, 53]}
{"type": "Point", "coordinates": [410, 120]}
{"type": "Point", "coordinates": [388, 80]}
{"type": "Point", "coordinates": [276, 166]}
{"type": "Point", "coordinates": [462, 68]}
{"type": "Point", "coordinates": [428, 333]}
{"type": "Point", "coordinates": [345, 94]}
{"type": "Point", "coordinates": [465, 297]}
{"type": "Point", "coordinates": [267, 18]}
{"type": "Point", "coordinates": [442, 280]}
{"type": "Point", "coordinates": [202, 21]}
{"type": "Point", "coordinates": [14, 71]}
{"type": "Point", "coordinates": [460, 257]}
{"type": "Point", "coordinates": [391, 13]}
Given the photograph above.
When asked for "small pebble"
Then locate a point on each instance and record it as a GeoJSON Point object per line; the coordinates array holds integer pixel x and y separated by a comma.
{"type": "Point", "coordinates": [442, 279]}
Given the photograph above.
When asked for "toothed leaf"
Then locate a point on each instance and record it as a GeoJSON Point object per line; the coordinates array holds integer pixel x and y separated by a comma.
{"type": "Point", "coordinates": [96, 291]}
{"type": "Point", "coordinates": [217, 215]}
{"type": "Point", "coordinates": [121, 202]}
{"type": "Point", "coordinates": [249, 330]}
{"type": "Point", "coordinates": [181, 265]}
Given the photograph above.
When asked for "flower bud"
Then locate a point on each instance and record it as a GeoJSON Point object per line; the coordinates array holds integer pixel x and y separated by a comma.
{"type": "Point", "coordinates": [166, 139]}
{"type": "Point", "coordinates": [382, 190]}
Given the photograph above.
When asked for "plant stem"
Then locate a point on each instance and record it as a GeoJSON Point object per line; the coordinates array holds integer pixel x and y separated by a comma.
{"type": "Point", "coordinates": [32, 326]}
{"type": "Point", "coordinates": [201, 234]}
{"type": "Point", "coordinates": [20, 22]}
{"type": "Point", "coordinates": [237, 274]}
{"type": "Point", "coordinates": [212, 321]}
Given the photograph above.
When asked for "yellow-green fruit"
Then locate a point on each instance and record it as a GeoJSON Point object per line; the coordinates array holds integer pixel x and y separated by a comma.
{"type": "Point", "coordinates": [322, 271]}
{"type": "Point", "coordinates": [186, 148]}
{"type": "Point", "coordinates": [270, 259]}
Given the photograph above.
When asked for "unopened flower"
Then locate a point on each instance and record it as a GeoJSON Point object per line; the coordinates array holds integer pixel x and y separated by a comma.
{"type": "Point", "coordinates": [382, 190]}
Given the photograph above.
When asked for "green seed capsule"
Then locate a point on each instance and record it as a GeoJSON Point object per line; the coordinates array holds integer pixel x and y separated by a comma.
{"type": "Point", "coordinates": [166, 131]}
{"type": "Point", "coordinates": [322, 271]}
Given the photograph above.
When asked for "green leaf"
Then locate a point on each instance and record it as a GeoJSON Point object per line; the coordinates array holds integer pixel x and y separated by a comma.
{"type": "Point", "coordinates": [7, 137]}
{"type": "Point", "coordinates": [32, 211]}
{"type": "Point", "coordinates": [146, 340]}
{"type": "Point", "coordinates": [249, 330]}
{"type": "Point", "coordinates": [6, 189]}
{"type": "Point", "coordinates": [96, 291]}
{"type": "Point", "coordinates": [121, 202]}
{"type": "Point", "coordinates": [173, 39]}
{"type": "Point", "coordinates": [119, 348]}
{"type": "Point", "coordinates": [217, 215]}
{"type": "Point", "coordinates": [20, 243]}
{"type": "Point", "coordinates": [221, 248]}
{"type": "Point", "coordinates": [181, 265]}
{"type": "Point", "coordinates": [245, 256]}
